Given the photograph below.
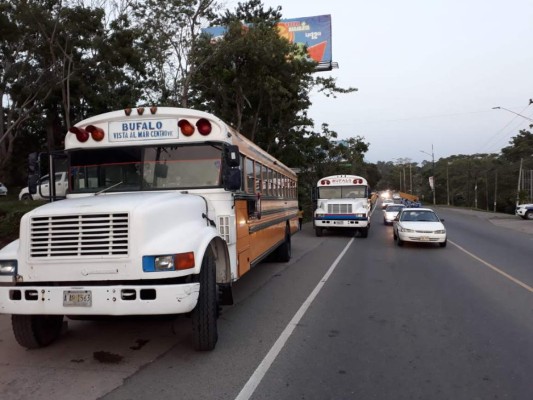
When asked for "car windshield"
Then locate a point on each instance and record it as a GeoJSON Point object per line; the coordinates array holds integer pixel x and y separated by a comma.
{"type": "Point", "coordinates": [145, 168]}
{"type": "Point", "coordinates": [394, 208]}
{"type": "Point", "coordinates": [423, 215]}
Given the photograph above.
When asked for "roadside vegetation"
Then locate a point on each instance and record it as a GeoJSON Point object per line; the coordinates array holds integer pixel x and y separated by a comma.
{"type": "Point", "coordinates": [11, 211]}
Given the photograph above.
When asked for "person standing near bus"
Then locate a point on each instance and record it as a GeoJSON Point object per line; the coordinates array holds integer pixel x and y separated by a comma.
{"type": "Point", "coordinates": [300, 217]}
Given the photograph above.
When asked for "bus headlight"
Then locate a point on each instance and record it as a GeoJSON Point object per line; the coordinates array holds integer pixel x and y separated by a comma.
{"type": "Point", "coordinates": [169, 262]}
{"type": "Point", "coordinates": [8, 267]}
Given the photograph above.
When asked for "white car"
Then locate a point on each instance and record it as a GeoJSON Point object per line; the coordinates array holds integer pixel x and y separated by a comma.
{"type": "Point", "coordinates": [420, 225]}
{"type": "Point", "coordinates": [386, 202]}
{"type": "Point", "coordinates": [44, 183]}
{"type": "Point", "coordinates": [525, 211]}
{"type": "Point", "coordinates": [3, 189]}
{"type": "Point", "coordinates": [391, 212]}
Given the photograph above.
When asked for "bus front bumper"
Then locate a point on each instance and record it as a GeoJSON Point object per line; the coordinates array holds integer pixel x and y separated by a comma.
{"type": "Point", "coordinates": [99, 300]}
{"type": "Point", "coordinates": [340, 223]}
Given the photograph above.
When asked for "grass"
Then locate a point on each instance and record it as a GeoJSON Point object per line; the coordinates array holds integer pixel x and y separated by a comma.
{"type": "Point", "coordinates": [11, 211]}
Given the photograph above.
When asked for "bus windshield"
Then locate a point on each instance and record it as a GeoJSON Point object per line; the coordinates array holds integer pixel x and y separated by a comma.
{"type": "Point", "coordinates": [145, 168]}
{"type": "Point", "coordinates": [342, 192]}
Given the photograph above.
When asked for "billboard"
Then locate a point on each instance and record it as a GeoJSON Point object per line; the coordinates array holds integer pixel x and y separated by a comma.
{"type": "Point", "coordinates": [313, 32]}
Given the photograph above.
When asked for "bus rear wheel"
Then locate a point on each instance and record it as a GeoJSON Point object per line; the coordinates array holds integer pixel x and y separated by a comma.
{"type": "Point", "coordinates": [319, 232]}
{"type": "Point", "coordinates": [284, 252]}
{"type": "Point", "coordinates": [35, 331]}
{"type": "Point", "coordinates": [205, 314]}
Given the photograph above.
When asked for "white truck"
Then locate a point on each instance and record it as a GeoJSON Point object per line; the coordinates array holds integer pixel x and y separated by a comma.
{"type": "Point", "coordinates": [342, 202]}
{"type": "Point", "coordinates": [42, 191]}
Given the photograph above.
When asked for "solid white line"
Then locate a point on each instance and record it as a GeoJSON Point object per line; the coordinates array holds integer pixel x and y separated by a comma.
{"type": "Point", "coordinates": [499, 271]}
{"type": "Point", "coordinates": [249, 388]}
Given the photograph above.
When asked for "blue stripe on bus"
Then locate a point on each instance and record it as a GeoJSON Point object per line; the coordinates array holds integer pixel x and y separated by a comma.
{"type": "Point", "coordinates": [341, 217]}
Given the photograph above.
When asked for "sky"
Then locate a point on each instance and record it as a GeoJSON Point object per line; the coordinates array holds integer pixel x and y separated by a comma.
{"type": "Point", "coordinates": [428, 74]}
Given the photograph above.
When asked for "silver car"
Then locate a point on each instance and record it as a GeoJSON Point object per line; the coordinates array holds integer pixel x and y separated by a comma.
{"type": "Point", "coordinates": [3, 189]}
{"type": "Point", "coordinates": [391, 212]}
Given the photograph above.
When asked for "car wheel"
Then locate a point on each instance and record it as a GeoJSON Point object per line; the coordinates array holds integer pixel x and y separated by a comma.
{"type": "Point", "coordinates": [26, 196]}
{"type": "Point", "coordinates": [399, 241]}
{"type": "Point", "coordinates": [529, 215]}
{"type": "Point", "coordinates": [443, 244]}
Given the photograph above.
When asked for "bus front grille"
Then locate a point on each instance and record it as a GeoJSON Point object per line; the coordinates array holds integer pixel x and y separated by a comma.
{"type": "Point", "coordinates": [339, 208]}
{"type": "Point", "coordinates": [79, 235]}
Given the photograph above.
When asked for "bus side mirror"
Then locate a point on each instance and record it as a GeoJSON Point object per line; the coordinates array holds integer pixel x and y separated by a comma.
{"type": "Point", "coordinates": [232, 156]}
{"type": "Point", "coordinates": [232, 179]}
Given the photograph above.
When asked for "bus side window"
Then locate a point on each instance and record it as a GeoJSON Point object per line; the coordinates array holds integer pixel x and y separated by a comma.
{"type": "Point", "coordinates": [249, 170]}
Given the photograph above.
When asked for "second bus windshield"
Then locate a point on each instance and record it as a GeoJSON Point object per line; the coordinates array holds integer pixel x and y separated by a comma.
{"type": "Point", "coordinates": [342, 192]}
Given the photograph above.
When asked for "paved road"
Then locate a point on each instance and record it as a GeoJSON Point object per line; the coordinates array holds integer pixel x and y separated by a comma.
{"type": "Point", "coordinates": [504, 220]}
{"type": "Point", "coordinates": [389, 322]}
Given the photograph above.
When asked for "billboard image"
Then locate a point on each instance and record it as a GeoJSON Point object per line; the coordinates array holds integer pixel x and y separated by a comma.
{"type": "Point", "coordinates": [313, 32]}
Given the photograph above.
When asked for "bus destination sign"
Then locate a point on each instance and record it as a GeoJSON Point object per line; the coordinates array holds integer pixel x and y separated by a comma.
{"type": "Point", "coordinates": [151, 129]}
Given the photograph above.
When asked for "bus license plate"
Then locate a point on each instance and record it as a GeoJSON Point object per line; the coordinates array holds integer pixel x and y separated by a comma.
{"type": "Point", "coordinates": [77, 298]}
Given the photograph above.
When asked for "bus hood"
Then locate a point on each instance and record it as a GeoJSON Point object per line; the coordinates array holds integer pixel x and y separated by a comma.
{"type": "Point", "coordinates": [110, 203]}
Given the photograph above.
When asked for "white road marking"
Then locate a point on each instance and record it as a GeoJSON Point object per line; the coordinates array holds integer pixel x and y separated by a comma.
{"type": "Point", "coordinates": [495, 269]}
{"type": "Point", "coordinates": [249, 388]}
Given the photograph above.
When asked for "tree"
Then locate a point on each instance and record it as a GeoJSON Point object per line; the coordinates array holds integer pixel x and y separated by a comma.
{"type": "Point", "coordinates": [169, 32]}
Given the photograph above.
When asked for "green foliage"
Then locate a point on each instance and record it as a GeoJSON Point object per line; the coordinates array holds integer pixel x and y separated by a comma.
{"type": "Point", "coordinates": [11, 211]}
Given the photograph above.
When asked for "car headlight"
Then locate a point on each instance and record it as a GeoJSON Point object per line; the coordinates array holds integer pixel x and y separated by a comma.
{"type": "Point", "coordinates": [402, 229]}
{"type": "Point", "coordinates": [8, 267]}
{"type": "Point", "coordinates": [441, 231]}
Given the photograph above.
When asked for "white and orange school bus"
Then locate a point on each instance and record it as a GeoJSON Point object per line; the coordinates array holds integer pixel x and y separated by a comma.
{"type": "Point", "coordinates": [166, 208]}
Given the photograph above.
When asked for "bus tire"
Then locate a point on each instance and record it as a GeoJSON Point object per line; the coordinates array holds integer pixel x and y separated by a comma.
{"type": "Point", "coordinates": [319, 232]}
{"type": "Point", "coordinates": [35, 331]}
{"type": "Point", "coordinates": [205, 314]}
{"type": "Point", "coordinates": [364, 232]}
{"type": "Point", "coordinates": [284, 251]}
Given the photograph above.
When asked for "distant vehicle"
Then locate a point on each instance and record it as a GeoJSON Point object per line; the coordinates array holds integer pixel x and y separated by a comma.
{"type": "Point", "coordinates": [342, 202]}
{"type": "Point", "coordinates": [420, 225]}
{"type": "Point", "coordinates": [525, 211]}
{"type": "Point", "coordinates": [43, 188]}
{"type": "Point", "coordinates": [391, 212]}
{"type": "Point", "coordinates": [3, 189]}
{"type": "Point", "coordinates": [386, 202]}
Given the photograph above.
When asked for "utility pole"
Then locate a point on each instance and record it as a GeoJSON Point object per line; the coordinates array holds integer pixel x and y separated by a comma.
{"type": "Point", "coordinates": [432, 172]}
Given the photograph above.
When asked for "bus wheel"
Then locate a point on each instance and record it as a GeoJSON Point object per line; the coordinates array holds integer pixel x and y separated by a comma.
{"type": "Point", "coordinates": [319, 232]}
{"type": "Point", "coordinates": [35, 331]}
{"type": "Point", "coordinates": [284, 251]}
{"type": "Point", "coordinates": [364, 232]}
{"type": "Point", "coordinates": [204, 315]}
